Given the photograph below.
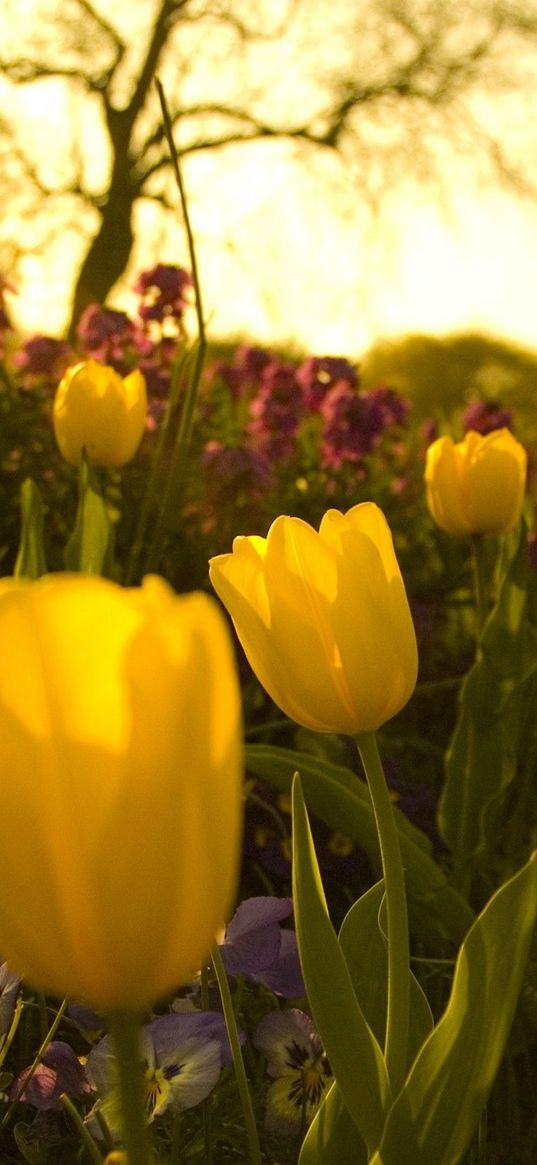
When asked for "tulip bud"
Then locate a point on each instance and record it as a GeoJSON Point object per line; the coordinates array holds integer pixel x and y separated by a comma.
{"type": "Point", "coordinates": [323, 618]}
{"type": "Point", "coordinates": [121, 795]}
{"type": "Point", "coordinates": [477, 486]}
{"type": "Point", "coordinates": [97, 410]}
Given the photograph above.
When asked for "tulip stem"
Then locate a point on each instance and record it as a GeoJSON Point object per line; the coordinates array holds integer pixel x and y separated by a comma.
{"type": "Point", "coordinates": [238, 1062]}
{"type": "Point", "coordinates": [481, 582]}
{"type": "Point", "coordinates": [124, 1030]}
{"type": "Point", "coordinates": [398, 1006]}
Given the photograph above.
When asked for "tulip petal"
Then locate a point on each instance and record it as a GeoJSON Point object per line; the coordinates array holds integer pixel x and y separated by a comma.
{"type": "Point", "coordinates": [120, 831]}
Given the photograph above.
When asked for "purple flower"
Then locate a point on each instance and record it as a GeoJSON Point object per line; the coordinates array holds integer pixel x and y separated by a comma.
{"type": "Point", "coordinates": [318, 374]}
{"type": "Point", "coordinates": [86, 1020]}
{"type": "Point", "coordinates": [229, 374]}
{"type": "Point", "coordinates": [393, 407]}
{"type": "Point", "coordinates": [43, 356]}
{"type": "Point", "coordinates": [231, 470]}
{"type": "Point", "coordinates": [256, 946]}
{"type": "Point", "coordinates": [429, 431]}
{"type": "Point", "coordinates": [162, 289]}
{"type": "Point", "coordinates": [59, 1071]}
{"type": "Point", "coordinates": [352, 424]}
{"type": "Point", "coordinates": [106, 335]}
{"type": "Point", "coordinates": [253, 937]}
{"type": "Point", "coordinates": [284, 976]}
{"type": "Point", "coordinates": [483, 416]}
{"type": "Point", "coordinates": [251, 360]}
{"type": "Point", "coordinates": [298, 1066]}
{"type": "Point", "coordinates": [276, 410]}
{"type": "Point", "coordinates": [182, 1057]}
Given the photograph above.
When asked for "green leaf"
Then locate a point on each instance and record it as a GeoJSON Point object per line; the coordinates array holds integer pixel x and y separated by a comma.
{"type": "Point", "coordinates": [341, 799]}
{"type": "Point", "coordinates": [484, 752]}
{"type": "Point", "coordinates": [332, 1138]}
{"type": "Point", "coordinates": [90, 547]}
{"type": "Point", "coordinates": [353, 1052]}
{"type": "Point", "coordinates": [451, 1078]}
{"type": "Point", "coordinates": [31, 562]}
{"type": "Point", "coordinates": [364, 946]}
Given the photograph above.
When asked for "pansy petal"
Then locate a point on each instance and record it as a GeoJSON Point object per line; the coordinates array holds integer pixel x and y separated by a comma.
{"type": "Point", "coordinates": [287, 1039]}
{"type": "Point", "coordinates": [195, 1076]}
{"type": "Point", "coordinates": [284, 976]}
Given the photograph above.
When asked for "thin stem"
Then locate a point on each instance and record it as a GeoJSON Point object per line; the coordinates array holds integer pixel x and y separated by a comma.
{"type": "Point", "coordinates": [152, 487]}
{"type": "Point", "coordinates": [36, 1062]}
{"type": "Point", "coordinates": [481, 583]}
{"type": "Point", "coordinates": [186, 421]}
{"type": "Point", "coordinates": [82, 1130]}
{"type": "Point", "coordinates": [238, 1062]}
{"type": "Point", "coordinates": [398, 1007]}
{"type": "Point", "coordinates": [125, 1035]}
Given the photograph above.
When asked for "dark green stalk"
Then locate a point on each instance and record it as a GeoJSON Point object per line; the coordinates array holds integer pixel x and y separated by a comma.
{"type": "Point", "coordinates": [189, 404]}
{"type": "Point", "coordinates": [238, 1062]}
{"type": "Point", "coordinates": [82, 1130]}
{"type": "Point", "coordinates": [398, 1007]}
{"type": "Point", "coordinates": [36, 1062]}
{"type": "Point", "coordinates": [124, 1032]}
{"type": "Point", "coordinates": [481, 583]}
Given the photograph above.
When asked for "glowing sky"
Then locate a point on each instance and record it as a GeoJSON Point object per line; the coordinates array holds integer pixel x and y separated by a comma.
{"type": "Point", "coordinates": [292, 254]}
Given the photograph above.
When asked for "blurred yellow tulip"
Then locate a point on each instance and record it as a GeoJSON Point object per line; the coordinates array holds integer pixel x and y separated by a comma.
{"type": "Point", "coordinates": [323, 618]}
{"type": "Point", "coordinates": [120, 829]}
{"type": "Point", "coordinates": [97, 410]}
{"type": "Point", "coordinates": [477, 486]}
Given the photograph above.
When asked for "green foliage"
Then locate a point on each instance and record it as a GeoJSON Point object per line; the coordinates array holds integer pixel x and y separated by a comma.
{"type": "Point", "coordinates": [30, 562]}
{"type": "Point", "coordinates": [353, 1051]}
{"type": "Point", "coordinates": [90, 547]}
{"type": "Point", "coordinates": [434, 1118]}
{"type": "Point", "coordinates": [440, 375]}
{"type": "Point", "coordinates": [488, 748]}
{"type": "Point", "coordinates": [438, 913]}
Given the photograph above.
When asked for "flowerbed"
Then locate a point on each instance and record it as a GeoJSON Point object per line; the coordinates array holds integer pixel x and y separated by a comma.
{"type": "Point", "coordinates": [264, 1050]}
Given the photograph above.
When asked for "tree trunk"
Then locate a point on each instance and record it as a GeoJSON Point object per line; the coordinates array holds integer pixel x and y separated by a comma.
{"type": "Point", "coordinates": [107, 257]}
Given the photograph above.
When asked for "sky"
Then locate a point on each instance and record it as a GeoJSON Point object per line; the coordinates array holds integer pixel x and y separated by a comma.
{"type": "Point", "coordinates": [295, 255]}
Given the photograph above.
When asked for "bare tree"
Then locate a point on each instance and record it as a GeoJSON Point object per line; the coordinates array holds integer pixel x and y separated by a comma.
{"type": "Point", "coordinates": [384, 81]}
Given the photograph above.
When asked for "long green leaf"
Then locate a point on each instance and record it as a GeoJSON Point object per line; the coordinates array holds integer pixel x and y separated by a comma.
{"type": "Point", "coordinates": [452, 1076]}
{"type": "Point", "coordinates": [364, 947]}
{"type": "Point", "coordinates": [353, 1052]}
{"type": "Point", "coordinates": [340, 799]}
{"type": "Point", "coordinates": [90, 547]}
{"type": "Point", "coordinates": [484, 752]}
{"type": "Point", "coordinates": [31, 561]}
{"type": "Point", "coordinates": [332, 1138]}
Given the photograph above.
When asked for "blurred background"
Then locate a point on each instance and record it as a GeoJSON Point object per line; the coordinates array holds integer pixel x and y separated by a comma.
{"type": "Point", "coordinates": [356, 171]}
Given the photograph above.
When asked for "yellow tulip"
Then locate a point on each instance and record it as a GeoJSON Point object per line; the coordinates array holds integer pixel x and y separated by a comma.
{"type": "Point", "coordinates": [120, 828]}
{"type": "Point", "coordinates": [323, 618]}
{"type": "Point", "coordinates": [97, 410]}
{"type": "Point", "coordinates": [477, 486]}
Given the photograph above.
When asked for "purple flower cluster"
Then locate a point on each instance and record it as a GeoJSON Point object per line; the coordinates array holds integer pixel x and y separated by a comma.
{"type": "Point", "coordinates": [483, 416]}
{"type": "Point", "coordinates": [354, 421]}
{"type": "Point", "coordinates": [163, 291]}
{"type": "Point", "coordinates": [234, 470]}
{"type": "Point", "coordinates": [106, 335]}
{"type": "Point", "coordinates": [148, 342]}
{"type": "Point", "coordinates": [317, 375]}
{"type": "Point", "coordinates": [43, 358]}
{"type": "Point", "coordinates": [276, 411]}
{"type": "Point", "coordinates": [282, 396]}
